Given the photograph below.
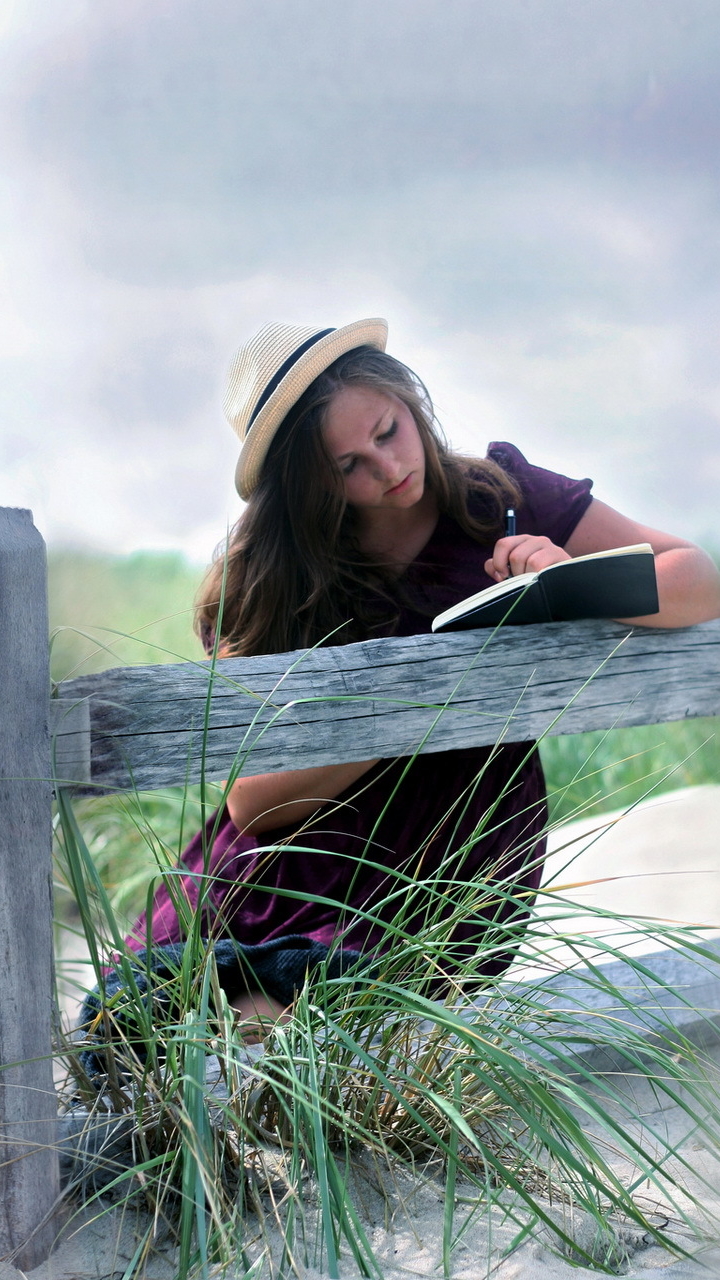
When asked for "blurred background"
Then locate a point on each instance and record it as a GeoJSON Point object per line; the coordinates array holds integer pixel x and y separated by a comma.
{"type": "Point", "coordinates": [526, 189]}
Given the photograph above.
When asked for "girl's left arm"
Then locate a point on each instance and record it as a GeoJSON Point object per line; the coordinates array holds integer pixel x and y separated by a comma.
{"type": "Point", "coordinates": [688, 580]}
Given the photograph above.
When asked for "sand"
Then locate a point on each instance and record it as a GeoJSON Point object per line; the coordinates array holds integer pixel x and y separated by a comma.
{"type": "Point", "coordinates": [660, 861]}
{"type": "Point", "coordinates": [404, 1223]}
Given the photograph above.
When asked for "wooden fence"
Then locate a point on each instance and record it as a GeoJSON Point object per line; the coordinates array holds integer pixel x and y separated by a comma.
{"type": "Point", "coordinates": [158, 726]}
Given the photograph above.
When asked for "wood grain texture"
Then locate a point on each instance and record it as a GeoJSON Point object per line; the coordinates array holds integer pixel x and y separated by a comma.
{"type": "Point", "coordinates": [28, 1109]}
{"type": "Point", "coordinates": [70, 739]}
{"type": "Point", "coordinates": [157, 726]}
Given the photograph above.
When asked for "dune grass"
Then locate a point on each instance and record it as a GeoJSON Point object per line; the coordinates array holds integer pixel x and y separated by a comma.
{"type": "Point", "coordinates": [591, 773]}
{"type": "Point", "coordinates": [259, 1154]}
{"type": "Point", "coordinates": [257, 1158]}
{"type": "Point", "coordinates": [130, 834]}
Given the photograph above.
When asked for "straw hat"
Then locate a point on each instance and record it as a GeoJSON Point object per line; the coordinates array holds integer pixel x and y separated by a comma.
{"type": "Point", "coordinates": [271, 372]}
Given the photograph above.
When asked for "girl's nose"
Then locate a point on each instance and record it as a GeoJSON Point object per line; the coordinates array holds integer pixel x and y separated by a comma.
{"type": "Point", "coordinates": [383, 467]}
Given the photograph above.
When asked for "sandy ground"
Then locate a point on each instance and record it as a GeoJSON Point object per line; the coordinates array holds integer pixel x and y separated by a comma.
{"type": "Point", "coordinates": [403, 1219]}
{"type": "Point", "coordinates": [661, 861]}
{"type": "Point", "coordinates": [657, 862]}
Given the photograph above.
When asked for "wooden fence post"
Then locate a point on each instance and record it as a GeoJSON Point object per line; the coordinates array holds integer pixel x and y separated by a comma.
{"type": "Point", "coordinates": [29, 1180]}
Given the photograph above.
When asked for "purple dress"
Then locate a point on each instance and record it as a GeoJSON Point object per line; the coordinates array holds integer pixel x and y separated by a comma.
{"type": "Point", "coordinates": [337, 872]}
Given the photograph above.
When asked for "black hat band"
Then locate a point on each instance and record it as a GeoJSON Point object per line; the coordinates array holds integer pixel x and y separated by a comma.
{"type": "Point", "coordinates": [285, 367]}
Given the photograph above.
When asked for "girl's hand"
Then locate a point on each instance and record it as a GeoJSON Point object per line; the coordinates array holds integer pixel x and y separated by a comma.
{"type": "Point", "coordinates": [523, 553]}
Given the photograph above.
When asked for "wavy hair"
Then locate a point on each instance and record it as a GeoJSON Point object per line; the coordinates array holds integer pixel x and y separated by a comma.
{"type": "Point", "coordinates": [292, 573]}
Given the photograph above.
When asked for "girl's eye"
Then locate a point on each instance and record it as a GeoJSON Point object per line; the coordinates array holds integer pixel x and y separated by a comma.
{"type": "Point", "coordinates": [388, 435]}
{"type": "Point", "coordinates": [348, 467]}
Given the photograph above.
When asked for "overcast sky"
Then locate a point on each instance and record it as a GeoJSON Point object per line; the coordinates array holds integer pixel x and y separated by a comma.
{"type": "Point", "coordinates": [526, 189]}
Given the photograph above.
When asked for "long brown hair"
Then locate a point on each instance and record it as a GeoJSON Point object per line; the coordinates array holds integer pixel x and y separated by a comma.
{"type": "Point", "coordinates": [292, 573]}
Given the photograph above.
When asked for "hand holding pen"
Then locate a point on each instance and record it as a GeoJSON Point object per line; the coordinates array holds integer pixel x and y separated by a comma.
{"type": "Point", "coordinates": [531, 552]}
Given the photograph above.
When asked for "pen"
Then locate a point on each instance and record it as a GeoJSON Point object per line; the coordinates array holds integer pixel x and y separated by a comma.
{"type": "Point", "coordinates": [510, 530]}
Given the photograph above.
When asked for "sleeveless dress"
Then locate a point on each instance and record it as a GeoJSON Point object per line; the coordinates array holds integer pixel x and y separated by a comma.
{"type": "Point", "coordinates": [320, 883]}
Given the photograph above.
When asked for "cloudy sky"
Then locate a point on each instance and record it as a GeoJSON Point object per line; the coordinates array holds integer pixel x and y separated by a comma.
{"type": "Point", "coordinates": [527, 189]}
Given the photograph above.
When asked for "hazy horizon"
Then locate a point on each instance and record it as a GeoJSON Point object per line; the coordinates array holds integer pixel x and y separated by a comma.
{"type": "Point", "coordinates": [528, 191]}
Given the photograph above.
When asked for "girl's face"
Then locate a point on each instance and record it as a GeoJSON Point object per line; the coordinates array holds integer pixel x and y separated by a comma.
{"type": "Point", "coordinates": [374, 441]}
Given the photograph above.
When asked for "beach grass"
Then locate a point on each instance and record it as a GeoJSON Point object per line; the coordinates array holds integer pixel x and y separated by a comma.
{"type": "Point", "coordinates": [261, 1153]}
{"type": "Point", "coordinates": [405, 1066]}
{"type": "Point", "coordinates": [256, 1160]}
{"type": "Point", "coordinates": [109, 611]}
{"type": "Point", "coordinates": [132, 833]}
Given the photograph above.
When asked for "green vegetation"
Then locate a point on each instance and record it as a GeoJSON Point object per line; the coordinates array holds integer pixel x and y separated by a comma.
{"type": "Point", "coordinates": [109, 611]}
{"type": "Point", "coordinates": [589, 773]}
{"type": "Point", "coordinates": [378, 1077]}
{"type": "Point", "coordinates": [379, 1070]}
{"type": "Point", "coordinates": [131, 835]}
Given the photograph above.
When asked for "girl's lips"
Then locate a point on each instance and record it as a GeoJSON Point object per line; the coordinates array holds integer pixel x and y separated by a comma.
{"type": "Point", "coordinates": [399, 487]}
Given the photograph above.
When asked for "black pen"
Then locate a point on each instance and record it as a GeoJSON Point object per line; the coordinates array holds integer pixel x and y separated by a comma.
{"type": "Point", "coordinates": [510, 531]}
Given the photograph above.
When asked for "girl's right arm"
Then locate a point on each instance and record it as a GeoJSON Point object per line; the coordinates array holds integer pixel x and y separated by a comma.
{"type": "Point", "coordinates": [264, 801]}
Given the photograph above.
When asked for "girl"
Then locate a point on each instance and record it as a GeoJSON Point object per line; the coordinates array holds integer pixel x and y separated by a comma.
{"type": "Point", "coordinates": [360, 522]}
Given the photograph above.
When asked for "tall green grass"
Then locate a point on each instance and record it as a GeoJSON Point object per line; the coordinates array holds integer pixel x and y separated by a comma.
{"type": "Point", "coordinates": [590, 773]}
{"type": "Point", "coordinates": [471, 1090]}
{"type": "Point", "coordinates": [468, 1085]}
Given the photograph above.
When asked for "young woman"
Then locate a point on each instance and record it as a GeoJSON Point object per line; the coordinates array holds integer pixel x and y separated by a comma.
{"type": "Point", "coordinates": [361, 523]}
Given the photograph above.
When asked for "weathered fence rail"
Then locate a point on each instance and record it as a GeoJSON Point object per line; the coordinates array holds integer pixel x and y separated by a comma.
{"type": "Point", "coordinates": [158, 726]}
{"type": "Point", "coordinates": [154, 726]}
